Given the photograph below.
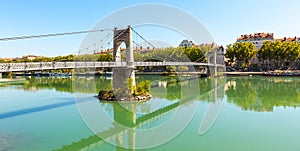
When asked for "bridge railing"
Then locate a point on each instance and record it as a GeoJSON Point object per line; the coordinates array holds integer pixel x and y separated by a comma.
{"type": "Point", "coordinates": [30, 66]}
{"type": "Point", "coordinates": [176, 64]}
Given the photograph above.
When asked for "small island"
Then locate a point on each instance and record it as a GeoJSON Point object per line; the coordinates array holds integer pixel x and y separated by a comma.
{"type": "Point", "coordinates": [139, 92]}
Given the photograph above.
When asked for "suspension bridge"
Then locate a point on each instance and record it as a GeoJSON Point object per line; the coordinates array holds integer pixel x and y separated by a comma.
{"type": "Point", "coordinates": [122, 70]}
{"type": "Point", "coordinates": [132, 39]}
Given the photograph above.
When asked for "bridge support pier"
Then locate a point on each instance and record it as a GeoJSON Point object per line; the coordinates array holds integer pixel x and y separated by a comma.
{"type": "Point", "coordinates": [132, 139]}
{"type": "Point", "coordinates": [213, 71]}
{"type": "Point", "coordinates": [121, 76]}
{"type": "Point", "coordinates": [10, 75]}
{"type": "Point", "coordinates": [125, 114]}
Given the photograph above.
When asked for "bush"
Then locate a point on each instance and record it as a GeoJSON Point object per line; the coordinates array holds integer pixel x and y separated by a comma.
{"type": "Point", "coordinates": [171, 68]}
{"type": "Point", "coordinates": [182, 68]}
{"type": "Point", "coordinates": [142, 88]}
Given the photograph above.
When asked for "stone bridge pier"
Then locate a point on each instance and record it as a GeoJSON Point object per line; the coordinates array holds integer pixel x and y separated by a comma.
{"type": "Point", "coordinates": [120, 80]}
{"type": "Point", "coordinates": [122, 74]}
{"type": "Point", "coordinates": [216, 58]}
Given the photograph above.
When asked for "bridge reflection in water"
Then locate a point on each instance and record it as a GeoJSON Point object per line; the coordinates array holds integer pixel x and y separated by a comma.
{"type": "Point", "coordinates": [127, 118]}
{"type": "Point", "coordinates": [246, 93]}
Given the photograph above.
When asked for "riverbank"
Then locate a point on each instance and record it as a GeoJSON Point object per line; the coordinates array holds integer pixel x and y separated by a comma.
{"type": "Point", "coordinates": [270, 73]}
{"type": "Point", "coordinates": [11, 81]}
{"type": "Point", "coordinates": [200, 74]}
{"type": "Point", "coordinates": [243, 73]}
{"type": "Point", "coordinates": [49, 74]}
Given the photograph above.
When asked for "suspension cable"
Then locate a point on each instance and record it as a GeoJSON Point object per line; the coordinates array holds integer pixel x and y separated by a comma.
{"type": "Point", "coordinates": [51, 35]}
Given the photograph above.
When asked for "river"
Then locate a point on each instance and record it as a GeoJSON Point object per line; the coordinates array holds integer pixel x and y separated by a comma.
{"type": "Point", "coordinates": [234, 113]}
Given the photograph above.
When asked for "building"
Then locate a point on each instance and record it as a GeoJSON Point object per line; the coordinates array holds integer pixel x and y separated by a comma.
{"type": "Point", "coordinates": [7, 59]}
{"type": "Point", "coordinates": [212, 45]}
{"type": "Point", "coordinates": [186, 43]}
{"type": "Point", "coordinates": [257, 39]}
{"type": "Point", "coordinates": [288, 39]}
{"type": "Point", "coordinates": [30, 57]}
{"type": "Point", "coordinates": [220, 57]}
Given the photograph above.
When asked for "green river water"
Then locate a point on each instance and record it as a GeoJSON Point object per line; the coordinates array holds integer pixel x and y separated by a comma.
{"type": "Point", "coordinates": [239, 114]}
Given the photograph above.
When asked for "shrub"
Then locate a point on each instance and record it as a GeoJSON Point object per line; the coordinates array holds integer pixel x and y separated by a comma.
{"type": "Point", "coordinates": [142, 88]}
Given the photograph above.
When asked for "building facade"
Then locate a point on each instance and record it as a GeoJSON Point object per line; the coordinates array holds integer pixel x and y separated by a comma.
{"type": "Point", "coordinates": [186, 43]}
{"type": "Point", "coordinates": [288, 39]}
{"type": "Point", "coordinates": [257, 39]}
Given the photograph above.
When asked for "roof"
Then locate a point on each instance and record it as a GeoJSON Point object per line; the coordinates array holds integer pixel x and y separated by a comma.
{"type": "Point", "coordinates": [288, 39]}
{"type": "Point", "coordinates": [256, 36]}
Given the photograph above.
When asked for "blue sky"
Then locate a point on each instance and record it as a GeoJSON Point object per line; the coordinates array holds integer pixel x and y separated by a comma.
{"type": "Point", "coordinates": [225, 20]}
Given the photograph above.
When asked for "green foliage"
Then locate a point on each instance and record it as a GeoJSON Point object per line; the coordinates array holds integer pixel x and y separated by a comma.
{"type": "Point", "coordinates": [43, 59]}
{"type": "Point", "coordinates": [241, 51]}
{"type": "Point", "coordinates": [194, 54]}
{"type": "Point", "coordinates": [142, 88]}
{"type": "Point", "coordinates": [108, 88]}
{"type": "Point", "coordinates": [182, 68]}
{"type": "Point", "coordinates": [87, 57]}
{"type": "Point", "coordinates": [259, 94]}
{"type": "Point", "coordinates": [197, 54]}
{"type": "Point", "coordinates": [278, 52]}
{"type": "Point", "coordinates": [46, 59]}
{"type": "Point", "coordinates": [171, 68]}
{"type": "Point", "coordinates": [105, 57]}
{"type": "Point", "coordinates": [180, 54]}
{"type": "Point", "coordinates": [140, 68]}
{"type": "Point", "coordinates": [230, 54]}
{"type": "Point", "coordinates": [129, 85]}
{"type": "Point", "coordinates": [64, 58]}
{"type": "Point", "coordinates": [265, 52]}
{"type": "Point", "coordinates": [138, 56]}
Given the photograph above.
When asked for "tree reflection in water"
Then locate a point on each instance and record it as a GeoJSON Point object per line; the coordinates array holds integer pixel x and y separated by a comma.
{"type": "Point", "coordinates": [249, 93]}
{"type": "Point", "coordinates": [263, 93]}
{"type": "Point", "coordinates": [126, 114]}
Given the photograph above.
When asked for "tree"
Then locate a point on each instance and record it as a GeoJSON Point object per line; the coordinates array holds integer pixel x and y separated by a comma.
{"type": "Point", "coordinates": [195, 54]}
{"type": "Point", "coordinates": [265, 52]}
{"type": "Point", "coordinates": [278, 52]}
{"type": "Point", "coordinates": [292, 51]}
{"type": "Point", "coordinates": [171, 68]}
{"type": "Point", "coordinates": [105, 57]}
{"type": "Point", "coordinates": [142, 88]}
{"type": "Point", "coordinates": [230, 54]}
{"type": "Point", "coordinates": [182, 68]}
{"type": "Point", "coordinates": [138, 56]}
{"type": "Point", "coordinates": [241, 51]}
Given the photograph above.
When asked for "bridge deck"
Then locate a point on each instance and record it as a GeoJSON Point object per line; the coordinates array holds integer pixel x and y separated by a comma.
{"type": "Point", "coordinates": [38, 66]}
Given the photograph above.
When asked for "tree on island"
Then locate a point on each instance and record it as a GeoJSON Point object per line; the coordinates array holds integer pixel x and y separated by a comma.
{"type": "Point", "coordinates": [141, 88]}
{"type": "Point", "coordinates": [141, 91]}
